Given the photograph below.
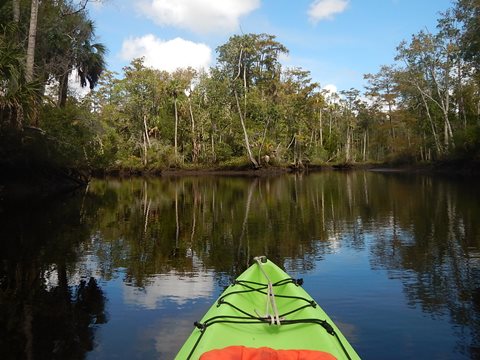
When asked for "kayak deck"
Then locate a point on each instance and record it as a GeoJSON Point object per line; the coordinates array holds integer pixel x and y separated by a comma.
{"type": "Point", "coordinates": [266, 308]}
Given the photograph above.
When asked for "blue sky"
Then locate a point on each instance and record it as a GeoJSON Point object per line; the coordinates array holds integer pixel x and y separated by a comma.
{"type": "Point", "coordinates": [338, 41]}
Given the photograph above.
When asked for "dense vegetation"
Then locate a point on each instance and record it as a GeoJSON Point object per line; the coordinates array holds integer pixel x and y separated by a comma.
{"type": "Point", "coordinates": [247, 111]}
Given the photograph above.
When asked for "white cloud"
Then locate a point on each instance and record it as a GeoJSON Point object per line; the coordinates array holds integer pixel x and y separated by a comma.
{"type": "Point", "coordinates": [200, 16]}
{"type": "Point", "coordinates": [167, 55]}
{"type": "Point", "coordinates": [331, 94]}
{"type": "Point", "coordinates": [97, 5]}
{"type": "Point", "coordinates": [331, 88]}
{"type": "Point", "coordinates": [170, 287]}
{"type": "Point", "coordinates": [74, 87]}
{"type": "Point", "coordinates": [325, 9]}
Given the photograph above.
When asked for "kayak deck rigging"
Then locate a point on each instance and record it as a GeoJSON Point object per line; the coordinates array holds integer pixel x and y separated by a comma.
{"type": "Point", "coordinates": [278, 319]}
{"type": "Point", "coordinates": [228, 311]}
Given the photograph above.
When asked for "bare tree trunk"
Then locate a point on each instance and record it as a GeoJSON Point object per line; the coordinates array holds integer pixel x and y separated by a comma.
{"type": "Point", "coordinates": [330, 126]}
{"type": "Point", "coordinates": [176, 125]}
{"type": "Point", "coordinates": [297, 154]}
{"type": "Point", "coordinates": [16, 21]}
{"type": "Point", "coordinates": [347, 145]}
{"type": "Point", "coordinates": [263, 140]}
{"type": "Point", "coordinates": [245, 92]}
{"type": "Point", "coordinates": [63, 90]}
{"type": "Point", "coordinates": [320, 125]}
{"type": "Point", "coordinates": [444, 104]}
{"type": "Point", "coordinates": [201, 139]}
{"type": "Point", "coordinates": [448, 128]}
{"type": "Point", "coordinates": [390, 117]}
{"type": "Point", "coordinates": [145, 127]}
{"type": "Point", "coordinates": [194, 136]}
{"type": "Point", "coordinates": [241, 115]}
{"type": "Point", "coordinates": [365, 146]}
{"type": "Point", "coordinates": [146, 207]}
{"type": "Point", "coordinates": [461, 101]}
{"type": "Point", "coordinates": [16, 11]}
{"type": "Point", "coordinates": [214, 154]}
{"type": "Point", "coordinates": [32, 36]}
{"type": "Point", "coordinates": [432, 125]}
{"type": "Point", "coordinates": [245, 134]}
{"type": "Point", "coordinates": [212, 140]}
{"type": "Point", "coordinates": [194, 212]}
{"type": "Point", "coordinates": [390, 120]}
{"type": "Point", "coordinates": [145, 155]}
{"type": "Point", "coordinates": [251, 188]}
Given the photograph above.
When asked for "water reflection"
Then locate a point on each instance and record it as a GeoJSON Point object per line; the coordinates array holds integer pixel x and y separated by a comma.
{"type": "Point", "coordinates": [172, 287]}
{"type": "Point", "coordinates": [160, 251]}
{"type": "Point", "coordinates": [47, 308]}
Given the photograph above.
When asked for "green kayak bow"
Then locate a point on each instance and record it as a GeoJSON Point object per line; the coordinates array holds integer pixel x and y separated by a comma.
{"type": "Point", "coordinates": [266, 310]}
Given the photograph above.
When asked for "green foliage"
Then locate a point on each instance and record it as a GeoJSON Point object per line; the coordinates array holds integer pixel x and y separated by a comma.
{"type": "Point", "coordinates": [258, 56]}
{"type": "Point", "coordinates": [163, 156]}
{"type": "Point", "coordinates": [224, 152]}
{"type": "Point", "coordinates": [23, 149]}
{"type": "Point", "coordinates": [468, 12]}
{"type": "Point", "coordinates": [71, 131]}
{"type": "Point", "coordinates": [405, 157]}
{"type": "Point", "coordinates": [235, 163]}
{"type": "Point", "coordinates": [18, 99]}
{"type": "Point", "coordinates": [131, 164]}
{"type": "Point", "coordinates": [468, 143]}
{"type": "Point", "coordinates": [318, 156]}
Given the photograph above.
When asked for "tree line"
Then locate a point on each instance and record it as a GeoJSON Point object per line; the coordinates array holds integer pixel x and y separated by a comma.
{"type": "Point", "coordinates": [246, 111]}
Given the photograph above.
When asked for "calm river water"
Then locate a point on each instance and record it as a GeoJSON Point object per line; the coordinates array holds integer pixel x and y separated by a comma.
{"type": "Point", "coordinates": [123, 269]}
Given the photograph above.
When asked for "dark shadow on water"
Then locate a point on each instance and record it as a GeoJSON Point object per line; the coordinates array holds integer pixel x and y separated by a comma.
{"type": "Point", "coordinates": [48, 310]}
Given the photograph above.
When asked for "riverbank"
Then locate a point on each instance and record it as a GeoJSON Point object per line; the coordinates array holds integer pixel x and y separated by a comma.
{"type": "Point", "coordinates": [457, 167]}
{"type": "Point", "coordinates": [44, 181]}
{"type": "Point", "coordinates": [443, 167]}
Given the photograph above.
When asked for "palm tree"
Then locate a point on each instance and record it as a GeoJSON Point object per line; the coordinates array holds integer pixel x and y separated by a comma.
{"type": "Point", "coordinates": [17, 97]}
{"type": "Point", "coordinates": [91, 63]}
{"type": "Point", "coordinates": [32, 36]}
{"type": "Point", "coordinates": [84, 56]}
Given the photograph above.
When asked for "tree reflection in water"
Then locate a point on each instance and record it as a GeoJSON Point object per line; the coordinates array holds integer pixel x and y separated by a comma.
{"type": "Point", "coordinates": [432, 244]}
{"type": "Point", "coordinates": [423, 232]}
{"type": "Point", "coordinates": [44, 313]}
